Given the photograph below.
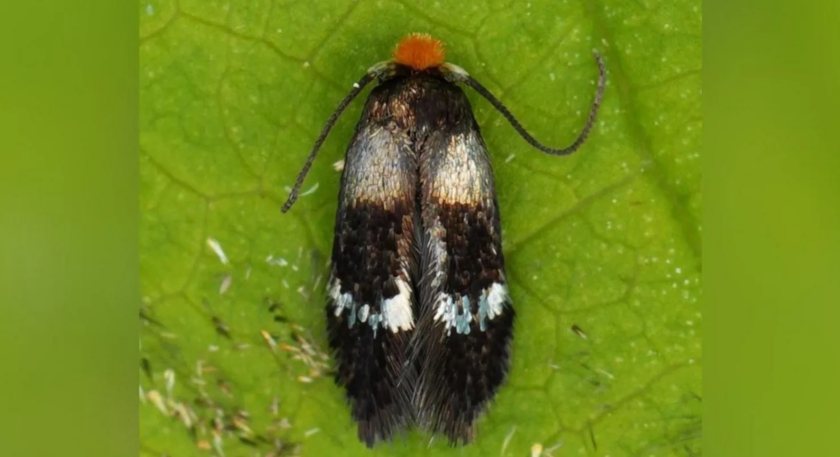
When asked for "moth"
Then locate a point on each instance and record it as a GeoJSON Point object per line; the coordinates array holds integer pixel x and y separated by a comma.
{"type": "Point", "coordinates": [419, 315]}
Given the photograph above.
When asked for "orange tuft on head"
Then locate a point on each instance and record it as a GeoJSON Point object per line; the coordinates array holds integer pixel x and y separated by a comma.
{"type": "Point", "coordinates": [419, 51]}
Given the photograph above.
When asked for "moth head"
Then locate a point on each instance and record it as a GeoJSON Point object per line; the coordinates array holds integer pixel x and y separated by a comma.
{"type": "Point", "coordinates": [419, 51]}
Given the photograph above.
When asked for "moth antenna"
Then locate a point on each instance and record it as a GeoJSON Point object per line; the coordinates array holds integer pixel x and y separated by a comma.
{"type": "Point", "coordinates": [357, 88]}
{"type": "Point", "coordinates": [590, 121]}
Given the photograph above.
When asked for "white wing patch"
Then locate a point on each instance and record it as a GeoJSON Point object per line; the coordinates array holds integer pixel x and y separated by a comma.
{"type": "Point", "coordinates": [395, 312]}
{"type": "Point", "coordinates": [340, 300]}
{"type": "Point", "coordinates": [364, 311]}
{"type": "Point", "coordinates": [457, 314]}
{"type": "Point", "coordinates": [454, 314]}
{"type": "Point", "coordinates": [491, 302]}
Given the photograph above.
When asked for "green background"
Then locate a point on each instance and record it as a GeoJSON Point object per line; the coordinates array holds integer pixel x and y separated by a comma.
{"type": "Point", "coordinates": [232, 95]}
{"type": "Point", "coordinates": [69, 276]}
{"type": "Point", "coordinates": [69, 288]}
{"type": "Point", "coordinates": [771, 229]}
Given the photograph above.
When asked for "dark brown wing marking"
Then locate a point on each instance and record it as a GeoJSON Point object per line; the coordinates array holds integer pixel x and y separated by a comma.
{"type": "Point", "coordinates": [370, 315]}
{"type": "Point", "coordinates": [465, 320]}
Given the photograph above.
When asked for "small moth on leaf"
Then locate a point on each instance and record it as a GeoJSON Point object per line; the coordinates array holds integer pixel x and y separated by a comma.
{"type": "Point", "coordinates": [419, 316]}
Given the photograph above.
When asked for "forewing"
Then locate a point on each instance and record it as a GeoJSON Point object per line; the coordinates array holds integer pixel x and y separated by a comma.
{"type": "Point", "coordinates": [370, 313]}
{"type": "Point", "coordinates": [465, 317]}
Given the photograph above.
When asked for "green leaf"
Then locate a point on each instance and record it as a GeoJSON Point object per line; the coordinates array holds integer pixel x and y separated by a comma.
{"type": "Point", "coordinates": [603, 247]}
